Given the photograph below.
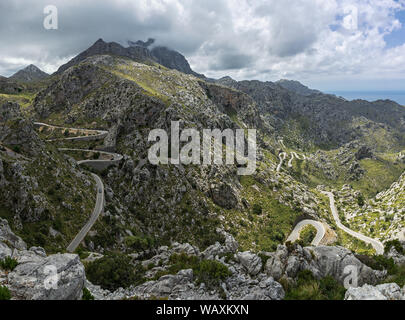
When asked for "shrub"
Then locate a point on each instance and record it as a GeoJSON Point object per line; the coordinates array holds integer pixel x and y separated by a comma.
{"type": "Point", "coordinates": [257, 209]}
{"type": "Point", "coordinates": [17, 149]}
{"type": "Point", "coordinates": [87, 295]}
{"type": "Point", "coordinates": [307, 235]}
{"type": "Point", "coordinates": [113, 271]}
{"type": "Point", "coordinates": [138, 243]}
{"type": "Point", "coordinates": [209, 272]}
{"type": "Point", "coordinates": [8, 264]}
{"type": "Point", "coordinates": [360, 200]}
{"type": "Point", "coordinates": [396, 244]}
{"type": "Point", "coordinates": [379, 263]}
{"type": "Point", "coordinates": [4, 293]}
{"type": "Point", "coordinates": [307, 287]}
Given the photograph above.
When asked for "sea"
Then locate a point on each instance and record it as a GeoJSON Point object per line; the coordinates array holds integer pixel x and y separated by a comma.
{"type": "Point", "coordinates": [397, 96]}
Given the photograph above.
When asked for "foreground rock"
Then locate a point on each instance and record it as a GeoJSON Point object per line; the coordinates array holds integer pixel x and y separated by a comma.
{"type": "Point", "coordinates": [246, 281]}
{"type": "Point", "coordinates": [322, 261]}
{"type": "Point", "coordinates": [38, 276]}
{"type": "Point", "coordinates": [390, 291]}
{"type": "Point", "coordinates": [181, 286]}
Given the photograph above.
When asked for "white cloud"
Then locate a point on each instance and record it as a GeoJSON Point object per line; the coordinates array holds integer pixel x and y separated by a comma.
{"type": "Point", "coordinates": [263, 39]}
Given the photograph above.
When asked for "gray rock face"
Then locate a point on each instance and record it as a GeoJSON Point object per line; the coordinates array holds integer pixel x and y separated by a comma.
{"type": "Point", "coordinates": [4, 251]}
{"type": "Point", "coordinates": [38, 277]}
{"type": "Point", "coordinates": [251, 262]}
{"type": "Point", "coordinates": [262, 288]}
{"type": "Point", "coordinates": [225, 195]}
{"type": "Point", "coordinates": [389, 291]}
{"type": "Point", "coordinates": [396, 256]}
{"type": "Point", "coordinates": [182, 287]}
{"type": "Point", "coordinates": [321, 261]}
{"type": "Point", "coordinates": [57, 277]}
{"type": "Point", "coordinates": [7, 236]}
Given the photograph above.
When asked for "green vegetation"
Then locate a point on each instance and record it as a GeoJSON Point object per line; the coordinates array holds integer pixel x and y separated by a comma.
{"type": "Point", "coordinates": [257, 209]}
{"type": "Point", "coordinates": [307, 235]}
{"type": "Point", "coordinates": [113, 271]}
{"type": "Point", "coordinates": [210, 272]}
{"type": "Point", "coordinates": [396, 244]}
{"type": "Point", "coordinates": [8, 264]}
{"type": "Point", "coordinates": [395, 273]}
{"type": "Point", "coordinates": [87, 295]}
{"type": "Point", "coordinates": [4, 293]}
{"type": "Point", "coordinates": [307, 287]}
{"type": "Point", "coordinates": [268, 223]}
{"type": "Point", "coordinates": [137, 243]}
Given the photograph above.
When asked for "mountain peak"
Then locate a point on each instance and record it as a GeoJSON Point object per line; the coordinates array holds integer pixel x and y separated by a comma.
{"type": "Point", "coordinates": [29, 73]}
{"type": "Point", "coordinates": [139, 51]}
{"type": "Point", "coordinates": [297, 87]}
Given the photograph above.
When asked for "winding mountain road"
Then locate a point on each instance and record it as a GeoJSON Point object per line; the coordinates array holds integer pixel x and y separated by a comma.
{"type": "Point", "coordinates": [320, 231]}
{"type": "Point", "coordinates": [295, 155]}
{"type": "Point", "coordinates": [98, 209]}
{"type": "Point", "coordinates": [377, 245]}
{"type": "Point", "coordinates": [100, 199]}
{"type": "Point", "coordinates": [282, 156]}
{"type": "Point", "coordinates": [93, 134]}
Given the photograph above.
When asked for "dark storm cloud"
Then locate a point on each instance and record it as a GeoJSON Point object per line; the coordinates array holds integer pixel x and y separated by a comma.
{"type": "Point", "coordinates": [229, 61]}
{"type": "Point", "coordinates": [81, 23]}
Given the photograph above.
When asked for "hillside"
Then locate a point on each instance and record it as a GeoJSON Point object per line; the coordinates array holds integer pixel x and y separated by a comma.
{"type": "Point", "coordinates": [92, 118]}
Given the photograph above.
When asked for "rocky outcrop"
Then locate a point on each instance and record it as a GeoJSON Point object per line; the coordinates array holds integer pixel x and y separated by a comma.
{"type": "Point", "coordinates": [138, 51]}
{"type": "Point", "coordinates": [8, 238]}
{"type": "Point", "coordinates": [8, 86]}
{"type": "Point", "coordinates": [322, 261]}
{"type": "Point", "coordinates": [38, 276]}
{"type": "Point", "coordinates": [250, 262]}
{"type": "Point", "coordinates": [246, 280]}
{"type": "Point", "coordinates": [389, 291]}
{"type": "Point", "coordinates": [182, 287]}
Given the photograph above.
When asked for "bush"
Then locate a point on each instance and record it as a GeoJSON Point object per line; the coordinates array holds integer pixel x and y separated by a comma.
{"type": "Point", "coordinates": [205, 271]}
{"type": "Point", "coordinates": [138, 243]}
{"type": "Point", "coordinates": [4, 293]}
{"type": "Point", "coordinates": [257, 209]}
{"type": "Point", "coordinates": [360, 200]}
{"type": "Point", "coordinates": [17, 149]}
{"type": "Point", "coordinates": [379, 263]}
{"type": "Point", "coordinates": [8, 264]}
{"type": "Point", "coordinates": [87, 295]}
{"type": "Point", "coordinates": [211, 273]}
{"type": "Point", "coordinates": [113, 271]}
{"type": "Point", "coordinates": [396, 244]}
{"type": "Point", "coordinates": [307, 235]}
{"type": "Point", "coordinates": [307, 287]}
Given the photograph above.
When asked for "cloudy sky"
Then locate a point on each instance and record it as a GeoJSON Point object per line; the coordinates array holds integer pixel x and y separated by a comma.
{"type": "Point", "coordinates": [327, 44]}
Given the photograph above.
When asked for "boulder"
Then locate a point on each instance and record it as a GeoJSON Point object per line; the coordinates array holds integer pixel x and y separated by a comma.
{"type": "Point", "coordinates": [322, 261]}
{"type": "Point", "coordinates": [5, 251]}
{"type": "Point", "coordinates": [388, 291]}
{"type": "Point", "coordinates": [251, 262]}
{"type": "Point", "coordinates": [240, 287]}
{"type": "Point", "coordinates": [57, 277]}
{"type": "Point", "coordinates": [8, 237]}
